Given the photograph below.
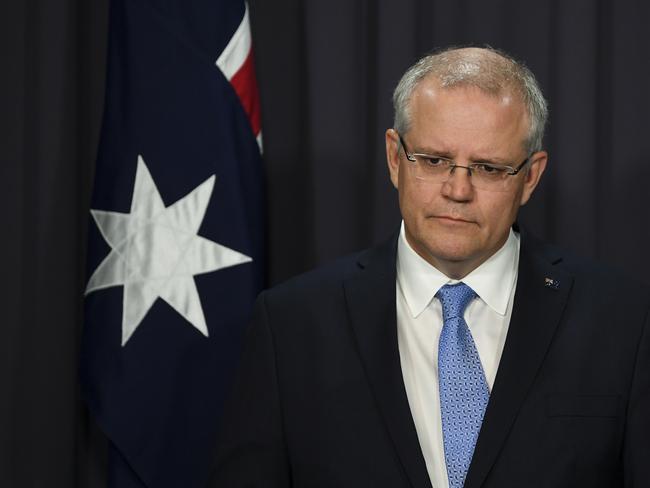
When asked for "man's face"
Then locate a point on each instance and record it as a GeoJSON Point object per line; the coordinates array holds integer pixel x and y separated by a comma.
{"type": "Point", "coordinates": [453, 225]}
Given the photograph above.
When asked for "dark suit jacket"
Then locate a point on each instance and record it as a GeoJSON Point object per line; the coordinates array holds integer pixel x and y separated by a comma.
{"type": "Point", "coordinates": [320, 400]}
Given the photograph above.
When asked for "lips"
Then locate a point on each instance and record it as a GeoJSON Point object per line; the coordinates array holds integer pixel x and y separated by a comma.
{"type": "Point", "coordinates": [450, 219]}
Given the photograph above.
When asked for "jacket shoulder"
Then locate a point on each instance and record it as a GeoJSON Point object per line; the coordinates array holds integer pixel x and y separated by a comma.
{"type": "Point", "coordinates": [321, 281]}
{"type": "Point", "coordinates": [599, 275]}
{"type": "Point", "coordinates": [328, 280]}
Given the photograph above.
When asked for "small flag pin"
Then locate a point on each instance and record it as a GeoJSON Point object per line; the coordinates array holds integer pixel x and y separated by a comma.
{"type": "Point", "coordinates": [551, 283]}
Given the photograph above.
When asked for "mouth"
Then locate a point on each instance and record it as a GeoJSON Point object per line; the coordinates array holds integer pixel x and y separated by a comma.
{"type": "Point", "coordinates": [448, 219]}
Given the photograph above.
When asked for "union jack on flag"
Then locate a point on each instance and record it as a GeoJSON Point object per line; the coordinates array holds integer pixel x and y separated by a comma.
{"type": "Point", "coordinates": [176, 238]}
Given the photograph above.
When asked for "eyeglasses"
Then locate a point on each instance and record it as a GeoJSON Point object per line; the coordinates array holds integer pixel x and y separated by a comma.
{"type": "Point", "coordinates": [485, 176]}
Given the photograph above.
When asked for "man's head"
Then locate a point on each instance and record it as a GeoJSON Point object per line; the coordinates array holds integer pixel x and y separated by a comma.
{"type": "Point", "coordinates": [474, 107]}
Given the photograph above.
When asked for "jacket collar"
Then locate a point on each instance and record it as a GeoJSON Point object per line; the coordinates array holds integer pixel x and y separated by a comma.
{"type": "Point", "coordinates": [543, 289]}
{"type": "Point", "coordinates": [370, 296]}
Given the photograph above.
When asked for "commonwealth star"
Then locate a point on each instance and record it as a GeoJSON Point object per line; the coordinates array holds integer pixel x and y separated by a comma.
{"type": "Point", "coordinates": [156, 251]}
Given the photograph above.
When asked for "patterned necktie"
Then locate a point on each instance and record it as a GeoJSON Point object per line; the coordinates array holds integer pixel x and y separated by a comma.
{"type": "Point", "coordinates": [464, 391]}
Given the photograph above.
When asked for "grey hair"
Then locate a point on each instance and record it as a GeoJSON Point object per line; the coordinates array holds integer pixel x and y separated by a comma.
{"type": "Point", "coordinates": [487, 69]}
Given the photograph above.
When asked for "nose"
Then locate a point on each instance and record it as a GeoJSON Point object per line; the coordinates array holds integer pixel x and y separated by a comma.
{"type": "Point", "coordinates": [458, 186]}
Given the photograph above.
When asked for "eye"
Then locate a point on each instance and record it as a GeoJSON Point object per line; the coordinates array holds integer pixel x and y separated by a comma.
{"type": "Point", "coordinates": [434, 161]}
{"type": "Point", "coordinates": [488, 169]}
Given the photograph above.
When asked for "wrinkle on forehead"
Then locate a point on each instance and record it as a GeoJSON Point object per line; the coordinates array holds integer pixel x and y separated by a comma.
{"type": "Point", "coordinates": [508, 118]}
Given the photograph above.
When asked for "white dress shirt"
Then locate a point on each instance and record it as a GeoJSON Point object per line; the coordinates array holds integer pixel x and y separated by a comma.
{"type": "Point", "coordinates": [419, 322]}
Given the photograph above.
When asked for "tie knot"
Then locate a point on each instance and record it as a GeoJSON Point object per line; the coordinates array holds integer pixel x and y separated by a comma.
{"type": "Point", "coordinates": [454, 299]}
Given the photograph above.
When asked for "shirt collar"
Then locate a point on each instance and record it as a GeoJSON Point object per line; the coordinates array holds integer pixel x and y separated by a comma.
{"type": "Point", "coordinates": [492, 281]}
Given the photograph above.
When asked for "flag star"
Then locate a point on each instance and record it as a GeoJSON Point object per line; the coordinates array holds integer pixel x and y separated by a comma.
{"type": "Point", "coordinates": [156, 251]}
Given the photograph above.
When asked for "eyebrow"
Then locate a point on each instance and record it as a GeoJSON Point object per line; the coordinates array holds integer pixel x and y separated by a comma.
{"type": "Point", "coordinates": [433, 152]}
{"type": "Point", "coordinates": [447, 155]}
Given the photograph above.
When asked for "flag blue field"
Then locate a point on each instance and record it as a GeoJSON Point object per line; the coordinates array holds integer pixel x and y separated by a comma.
{"type": "Point", "coordinates": [176, 241]}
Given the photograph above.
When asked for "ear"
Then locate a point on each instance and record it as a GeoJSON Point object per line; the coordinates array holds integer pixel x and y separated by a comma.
{"type": "Point", "coordinates": [533, 175]}
{"type": "Point", "coordinates": [392, 155]}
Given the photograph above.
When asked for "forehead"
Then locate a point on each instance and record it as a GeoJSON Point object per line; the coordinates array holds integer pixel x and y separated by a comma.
{"type": "Point", "coordinates": [467, 118]}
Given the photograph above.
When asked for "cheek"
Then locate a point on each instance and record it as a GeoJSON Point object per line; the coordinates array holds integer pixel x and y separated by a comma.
{"type": "Point", "coordinates": [416, 197]}
{"type": "Point", "coordinates": [501, 212]}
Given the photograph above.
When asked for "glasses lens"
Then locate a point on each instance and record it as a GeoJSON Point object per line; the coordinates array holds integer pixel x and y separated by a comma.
{"type": "Point", "coordinates": [484, 177]}
{"type": "Point", "coordinates": [490, 177]}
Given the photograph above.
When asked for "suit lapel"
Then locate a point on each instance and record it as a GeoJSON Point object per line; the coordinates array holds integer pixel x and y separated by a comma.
{"type": "Point", "coordinates": [540, 298]}
{"type": "Point", "coordinates": [370, 295]}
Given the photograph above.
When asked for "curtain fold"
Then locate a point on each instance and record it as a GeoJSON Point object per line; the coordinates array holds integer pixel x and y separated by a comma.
{"type": "Point", "coordinates": [52, 90]}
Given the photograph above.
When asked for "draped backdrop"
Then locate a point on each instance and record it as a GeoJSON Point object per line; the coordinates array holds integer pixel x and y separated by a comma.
{"type": "Point", "coordinates": [326, 71]}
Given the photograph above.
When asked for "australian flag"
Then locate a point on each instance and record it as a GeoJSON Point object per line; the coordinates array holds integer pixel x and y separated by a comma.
{"type": "Point", "coordinates": [176, 241]}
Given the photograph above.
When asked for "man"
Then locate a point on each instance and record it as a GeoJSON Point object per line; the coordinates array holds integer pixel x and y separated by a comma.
{"type": "Point", "coordinates": [461, 352]}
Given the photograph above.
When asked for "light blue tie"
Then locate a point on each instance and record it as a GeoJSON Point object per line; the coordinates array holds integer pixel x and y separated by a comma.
{"type": "Point", "coordinates": [464, 391]}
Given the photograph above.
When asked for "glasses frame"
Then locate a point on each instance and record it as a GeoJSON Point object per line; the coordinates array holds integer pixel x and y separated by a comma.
{"type": "Point", "coordinates": [510, 171]}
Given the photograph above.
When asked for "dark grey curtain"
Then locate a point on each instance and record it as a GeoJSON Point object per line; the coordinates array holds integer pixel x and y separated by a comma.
{"type": "Point", "coordinates": [52, 92]}
{"type": "Point", "coordinates": [326, 72]}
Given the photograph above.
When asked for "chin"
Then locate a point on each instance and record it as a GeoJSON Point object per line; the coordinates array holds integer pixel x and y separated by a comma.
{"type": "Point", "coordinates": [449, 249]}
{"type": "Point", "coordinates": [453, 246]}
{"type": "Point", "coordinates": [452, 255]}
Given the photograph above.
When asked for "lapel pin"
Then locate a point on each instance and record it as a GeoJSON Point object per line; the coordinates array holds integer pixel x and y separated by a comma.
{"type": "Point", "coordinates": [551, 283]}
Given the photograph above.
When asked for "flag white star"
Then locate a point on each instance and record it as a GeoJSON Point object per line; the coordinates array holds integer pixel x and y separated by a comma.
{"type": "Point", "coordinates": [156, 252]}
